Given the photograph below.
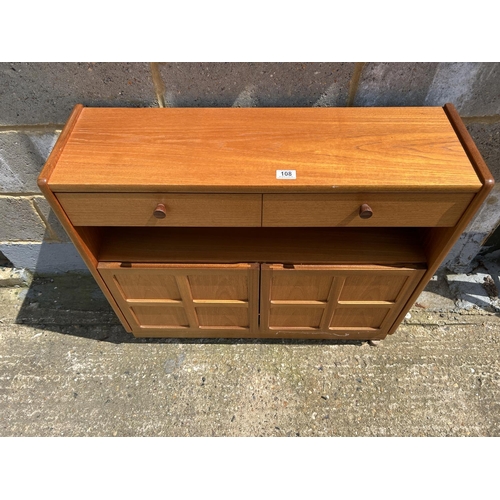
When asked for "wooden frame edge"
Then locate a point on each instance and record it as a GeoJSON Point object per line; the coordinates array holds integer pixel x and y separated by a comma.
{"type": "Point", "coordinates": [470, 147]}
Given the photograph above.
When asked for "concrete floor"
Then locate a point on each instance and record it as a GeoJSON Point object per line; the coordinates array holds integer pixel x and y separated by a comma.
{"type": "Point", "coordinates": [67, 368]}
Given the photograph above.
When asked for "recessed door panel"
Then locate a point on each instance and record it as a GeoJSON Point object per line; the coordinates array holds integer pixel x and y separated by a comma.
{"type": "Point", "coordinates": [158, 316]}
{"type": "Point", "coordinates": [301, 286]}
{"type": "Point", "coordinates": [147, 286]}
{"type": "Point", "coordinates": [372, 287]}
{"type": "Point", "coordinates": [226, 317]}
{"type": "Point", "coordinates": [359, 317]}
{"type": "Point", "coordinates": [296, 317]}
{"type": "Point", "coordinates": [218, 286]}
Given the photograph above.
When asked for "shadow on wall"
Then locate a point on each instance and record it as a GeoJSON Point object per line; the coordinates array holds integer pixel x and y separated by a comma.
{"type": "Point", "coordinates": [4, 261]}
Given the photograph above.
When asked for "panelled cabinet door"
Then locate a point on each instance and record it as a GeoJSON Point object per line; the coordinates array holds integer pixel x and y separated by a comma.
{"type": "Point", "coordinates": [165, 300]}
{"type": "Point", "coordinates": [355, 302]}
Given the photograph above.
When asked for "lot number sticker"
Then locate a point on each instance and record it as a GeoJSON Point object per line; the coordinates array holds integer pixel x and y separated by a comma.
{"type": "Point", "coordinates": [286, 174]}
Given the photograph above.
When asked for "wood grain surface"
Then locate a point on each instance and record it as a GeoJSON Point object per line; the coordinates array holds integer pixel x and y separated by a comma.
{"type": "Point", "coordinates": [389, 209]}
{"type": "Point", "coordinates": [184, 299]}
{"type": "Point", "coordinates": [240, 149]}
{"type": "Point", "coordinates": [185, 210]}
{"type": "Point", "coordinates": [342, 300]}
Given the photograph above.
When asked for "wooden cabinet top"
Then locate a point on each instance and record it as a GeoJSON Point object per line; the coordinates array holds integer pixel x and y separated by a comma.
{"type": "Point", "coordinates": [241, 150]}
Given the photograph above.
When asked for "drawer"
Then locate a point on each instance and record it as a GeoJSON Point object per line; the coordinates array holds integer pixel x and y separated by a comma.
{"type": "Point", "coordinates": [388, 209]}
{"type": "Point", "coordinates": [137, 209]}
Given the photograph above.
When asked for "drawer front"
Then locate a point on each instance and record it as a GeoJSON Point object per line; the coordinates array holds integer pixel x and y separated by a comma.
{"type": "Point", "coordinates": [137, 209]}
{"type": "Point", "coordinates": [388, 209]}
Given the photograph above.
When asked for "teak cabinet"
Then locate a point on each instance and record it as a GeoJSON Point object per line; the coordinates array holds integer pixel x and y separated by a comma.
{"type": "Point", "coordinates": [321, 223]}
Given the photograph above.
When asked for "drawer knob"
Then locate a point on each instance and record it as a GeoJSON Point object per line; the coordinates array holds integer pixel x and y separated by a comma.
{"type": "Point", "coordinates": [160, 211]}
{"type": "Point", "coordinates": [365, 212]}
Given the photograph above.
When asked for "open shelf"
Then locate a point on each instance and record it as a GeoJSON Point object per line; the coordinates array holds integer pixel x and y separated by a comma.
{"type": "Point", "coordinates": [233, 245]}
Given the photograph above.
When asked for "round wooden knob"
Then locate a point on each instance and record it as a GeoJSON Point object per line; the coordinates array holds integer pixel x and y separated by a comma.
{"type": "Point", "coordinates": [365, 212]}
{"type": "Point", "coordinates": [160, 211]}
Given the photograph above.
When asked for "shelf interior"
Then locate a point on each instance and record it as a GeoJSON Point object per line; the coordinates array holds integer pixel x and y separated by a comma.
{"type": "Point", "coordinates": [265, 245]}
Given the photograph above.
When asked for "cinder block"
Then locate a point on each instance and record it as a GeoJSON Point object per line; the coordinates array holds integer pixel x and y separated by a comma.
{"type": "Point", "coordinates": [47, 92]}
{"type": "Point", "coordinates": [394, 84]}
{"type": "Point", "coordinates": [44, 258]}
{"type": "Point", "coordinates": [20, 222]}
{"type": "Point", "coordinates": [22, 156]}
{"type": "Point", "coordinates": [256, 84]}
{"type": "Point", "coordinates": [54, 229]}
{"type": "Point", "coordinates": [474, 88]}
{"type": "Point", "coordinates": [487, 139]}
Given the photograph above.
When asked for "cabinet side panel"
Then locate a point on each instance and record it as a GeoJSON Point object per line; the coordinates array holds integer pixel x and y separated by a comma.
{"type": "Point", "coordinates": [87, 255]}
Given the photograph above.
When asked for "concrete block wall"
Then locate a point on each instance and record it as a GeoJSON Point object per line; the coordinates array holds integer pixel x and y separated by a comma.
{"type": "Point", "coordinates": [36, 100]}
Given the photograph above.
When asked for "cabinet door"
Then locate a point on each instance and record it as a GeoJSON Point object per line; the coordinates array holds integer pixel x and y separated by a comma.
{"type": "Point", "coordinates": [165, 300]}
{"type": "Point", "coordinates": [358, 302]}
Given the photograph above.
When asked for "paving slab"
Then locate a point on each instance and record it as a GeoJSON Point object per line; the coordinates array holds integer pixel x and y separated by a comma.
{"type": "Point", "coordinates": [67, 368]}
{"type": "Point", "coordinates": [11, 277]}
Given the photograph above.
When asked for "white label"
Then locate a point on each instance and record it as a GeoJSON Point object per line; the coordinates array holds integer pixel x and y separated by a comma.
{"type": "Point", "coordinates": [286, 174]}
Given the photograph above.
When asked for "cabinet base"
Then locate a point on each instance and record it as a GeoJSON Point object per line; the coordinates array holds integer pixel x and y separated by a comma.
{"type": "Point", "coordinates": [288, 335]}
